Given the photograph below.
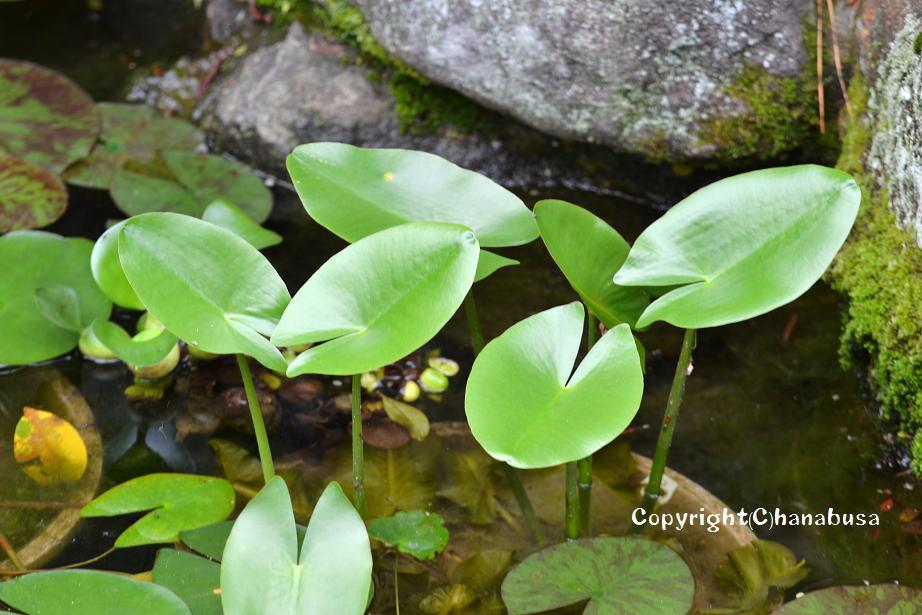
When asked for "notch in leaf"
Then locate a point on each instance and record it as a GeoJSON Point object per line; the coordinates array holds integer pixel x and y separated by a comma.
{"type": "Point", "coordinates": [526, 409]}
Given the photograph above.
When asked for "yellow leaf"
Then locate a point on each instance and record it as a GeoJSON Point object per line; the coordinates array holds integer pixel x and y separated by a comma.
{"type": "Point", "coordinates": [48, 448]}
{"type": "Point", "coordinates": [407, 416]}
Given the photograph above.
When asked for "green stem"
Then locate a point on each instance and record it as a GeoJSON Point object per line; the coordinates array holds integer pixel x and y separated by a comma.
{"type": "Point", "coordinates": [670, 417]}
{"type": "Point", "coordinates": [584, 483]}
{"type": "Point", "coordinates": [572, 492]}
{"type": "Point", "coordinates": [358, 451]}
{"type": "Point", "coordinates": [256, 414]}
{"type": "Point", "coordinates": [515, 483]}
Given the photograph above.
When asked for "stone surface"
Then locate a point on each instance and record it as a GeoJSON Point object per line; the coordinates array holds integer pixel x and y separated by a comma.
{"type": "Point", "coordinates": [639, 75]}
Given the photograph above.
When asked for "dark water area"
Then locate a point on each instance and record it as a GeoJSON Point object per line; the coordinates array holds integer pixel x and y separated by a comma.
{"type": "Point", "coordinates": [770, 418]}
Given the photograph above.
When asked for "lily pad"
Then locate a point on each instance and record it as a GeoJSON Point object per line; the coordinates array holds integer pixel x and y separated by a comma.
{"type": "Point", "coordinates": [130, 132]}
{"type": "Point", "coordinates": [416, 532]}
{"type": "Point", "coordinates": [616, 575]}
{"type": "Point", "coordinates": [45, 118]}
{"type": "Point", "coordinates": [31, 196]}
{"type": "Point", "coordinates": [845, 600]}
{"type": "Point", "coordinates": [145, 348]}
{"type": "Point", "coordinates": [43, 260]}
{"type": "Point", "coordinates": [60, 305]}
{"type": "Point", "coordinates": [48, 448]}
{"type": "Point", "coordinates": [194, 579]}
{"type": "Point", "coordinates": [108, 272]}
{"type": "Point", "coordinates": [489, 263]}
{"type": "Point", "coordinates": [177, 502]}
{"type": "Point", "coordinates": [227, 215]}
{"type": "Point", "coordinates": [75, 592]}
{"type": "Point", "coordinates": [187, 182]}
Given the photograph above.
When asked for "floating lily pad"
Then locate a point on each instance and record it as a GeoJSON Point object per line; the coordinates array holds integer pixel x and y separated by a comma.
{"type": "Point", "coordinates": [616, 575]}
{"type": "Point", "coordinates": [30, 195]}
{"type": "Point", "coordinates": [861, 599]}
{"type": "Point", "coordinates": [130, 132]}
{"type": "Point", "coordinates": [227, 215]}
{"type": "Point", "coordinates": [416, 532]}
{"type": "Point", "coordinates": [186, 182]}
{"type": "Point", "coordinates": [45, 118]}
{"type": "Point", "coordinates": [41, 260]}
{"type": "Point", "coordinates": [194, 579]}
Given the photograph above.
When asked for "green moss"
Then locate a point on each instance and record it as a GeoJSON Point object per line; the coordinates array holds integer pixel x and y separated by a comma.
{"type": "Point", "coordinates": [880, 269]}
{"type": "Point", "coordinates": [424, 108]}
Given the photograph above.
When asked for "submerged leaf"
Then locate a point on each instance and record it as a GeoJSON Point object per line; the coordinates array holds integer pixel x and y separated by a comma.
{"type": "Point", "coordinates": [417, 532]}
{"type": "Point", "coordinates": [30, 195]}
{"type": "Point", "coordinates": [130, 132]}
{"type": "Point", "coordinates": [742, 246]}
{"type": "Point", "coordinates": [41, 260]}
{"type": "Point", "coordinates": [355, 192]}
{"type": "Point", "coordinates": [861, 599]}
{"type": "Point", "coordinates": [78, 592]}
{"type": "Point", "coordinates": [616, 575]}
{"type": "Point", "coordinates": [177, 502]}
{"type": "Point", "coordinates": [45, 118]}
{"type": "Point", "coordinates": [48, 448]}
{"type": "Point", "coordinates": [413, 419]}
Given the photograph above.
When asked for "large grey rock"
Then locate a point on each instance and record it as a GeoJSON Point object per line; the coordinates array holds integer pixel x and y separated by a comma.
{"type": "Point", "coordinates": [640, 75]}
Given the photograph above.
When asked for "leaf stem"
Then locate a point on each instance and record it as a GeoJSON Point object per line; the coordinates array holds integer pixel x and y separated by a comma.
{"type": "Point", "coordinates": [512, 477]}
{"type": "Point", "coordinates": [572, 502]}
{"type": "Point", "coordinates": [256, 414]}
{"type": "Point", "coordinates": [670, 417]}
{"type": "Point", "coordinates": [358, 451]}
{"type": "Point", "coordinates": [584, 483]}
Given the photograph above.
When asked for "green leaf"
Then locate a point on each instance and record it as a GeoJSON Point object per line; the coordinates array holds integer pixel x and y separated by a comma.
{"type": "Point", "coordinates": [140, 350]}
{"type": "Point", "coordinates": [61, 305]}
{"type": "Point", "coordinates": [194, 579]}
{"type": "Point", "coordinates": [209, 540]}
{"type": "Point", "coordinates": [742, 246]}
{"type": "Point", "coordinates": [526, 409]}
{"type": "Point", "coordinates": [81, 592]}
{"type": "Point", "coordinates": [177, 502]}
{"type": "Point", "coordinates": [413, 419]}
{"type": "Point", "coordinates": [45, 118]}
{"type": "Point", "coordinates": [130, 132]}
{"type": "Point", "coordinates": [187, 183]}
{"type": "Point", "coordinates": [616, 575]}
{"type": "Point", "coordinates": [36, 260]}
{"type": "Point", "coordinates": [380, 298]}
{"type": "Point", "coordinates": [227, 215]}
{"type": "Point", "coordinates": [895, 599]}
{"type": "Point", "coordinates": [589, 252]}
{"type": "Point", "coordinates": [355, 192]}
{"type": "Point", "coordinates": [489, 263]}
{"type": "Point", "coordinates": [205, 284]}
{"type": "Point", "coordinates": [107, 270]}
{"type": "Point", "coordinates": [262, 572]}
{"type": "Point", "coordinates": [416, 532]}
{"type": "Point", "coordinates": [30, 195]}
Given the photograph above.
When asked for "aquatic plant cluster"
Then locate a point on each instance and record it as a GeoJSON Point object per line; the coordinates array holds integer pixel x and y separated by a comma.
{"type": "Point", "coordinates": [422, 232]}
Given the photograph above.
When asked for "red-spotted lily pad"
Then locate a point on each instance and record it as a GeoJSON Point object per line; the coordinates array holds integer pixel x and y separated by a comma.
{"type": "Point", "coordinates": [30, 195]}
{"type": "Point", "coordinates": [186, 182]}
{"type": "Point", "coordinates": [45, 118]}
{"type": "Point", "coordinates": [858, 599]}
{"type": "Point", "coordinates": [130, 132]}
{"type": "Point", "coordinates": [616, 575]}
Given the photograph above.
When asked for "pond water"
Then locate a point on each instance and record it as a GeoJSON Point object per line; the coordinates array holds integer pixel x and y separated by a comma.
{"type": "Point", "coordinates": [769, 420]}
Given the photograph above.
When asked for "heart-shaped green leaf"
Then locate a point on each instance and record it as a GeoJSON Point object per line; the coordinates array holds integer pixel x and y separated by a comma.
{"type": "Point", "coordinates": [42, 260]}
{"type": "Point", "coordinates": [61, 305]}
{"type": "Point", "coordinates": [79, 592]}
{"type": "Point", "coordinates": [489, 263]}
{"type": "Point", "coordinates": [871, 599]}
{"type": "Point", "coordinates": [589, 252]}
{"type": "Point", "coordinates": [141, 350]}
{"type": "Point", "coordinates": [616, 575]}
{"type": "Point", "coordinates": [30, 195]}
{"type": "Point", "coordinates": [380, 298]}
{"type": "Point", "coordinates": [526, 409]}
{"type": "Point", "coordinates": [130, 132]}
{"type": "Point", "coordinates": [194, 579]}
{"type": "Point", "coordinates": [177, 502]}
{"type": "Point", "coordinates": [416, 532]}
{"type": "Point", "coordinates": [205, 284]}
{"type": "Point", "coordinates": [227, 215]}
{"type": "Point", "coordinates": [355, 192]}
{"type": "Point", "coordinates": [45, 118]}
{"type": "Point", "coordinates": [261, 571]}
{"type": "Point", "coordinates": [187, 183]}
{"type": "Point", "coordinates": [209, 540]}
{"type": "Point", "coordinates": [107, 270]}
{"type": "Point", "coordinates": [742, 246]}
